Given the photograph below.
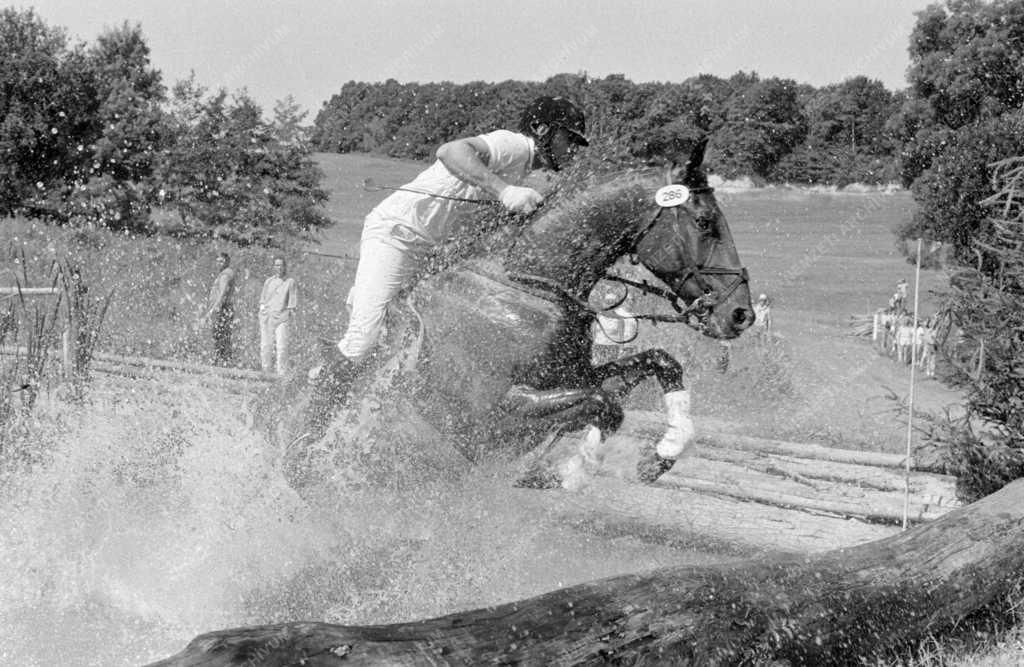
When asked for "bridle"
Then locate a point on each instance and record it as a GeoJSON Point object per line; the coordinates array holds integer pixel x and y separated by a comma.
{"type": "Point", "coordinates": [701, 307]}
{"type": "Point", "coordinates": [710, 298]}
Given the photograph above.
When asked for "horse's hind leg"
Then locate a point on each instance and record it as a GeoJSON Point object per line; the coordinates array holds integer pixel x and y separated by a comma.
{"type": "Point", "coordinates": [620, 376]}
{"type": "Point", "coordinates": [525, 410]}
{"type": "Point", "coordinates": [532, 412]}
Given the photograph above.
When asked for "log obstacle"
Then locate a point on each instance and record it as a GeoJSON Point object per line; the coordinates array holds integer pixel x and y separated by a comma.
{"type": "Point", "coordinates": [138, 367]}
{"type": "Point", "coordinates": [867, 486]}
{"type": "Point", "coordinates": [834, 608]}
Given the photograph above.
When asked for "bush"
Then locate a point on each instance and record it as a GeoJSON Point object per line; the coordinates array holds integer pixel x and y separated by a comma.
{"type": "Point", "coordinates": [950, 194]}
{"type": "Point", "coordinates": [986, 304]}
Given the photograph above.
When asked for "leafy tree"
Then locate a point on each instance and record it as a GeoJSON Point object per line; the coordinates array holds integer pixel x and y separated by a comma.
{"type": "Point", "coordinates": [950, 193]}
{"type": "Point", "coordinates": [111, 188]}
{"type": "Point", "coordinates": [986, 303]}
{"type": "Point", "coordinates": [674, 119]}
{"type": "Point", "coordinates": [967, 64]}
{"type": "Point", "coordinates": [227, 176]}
{"type": "Point", "coordinates": [763, 123]}
{"type": "Point", "coordinates": [46, 109]}
{"type": "Point", "coordinates": [848, 139]}
{"type": "Point", "coordinates": [287, 123]}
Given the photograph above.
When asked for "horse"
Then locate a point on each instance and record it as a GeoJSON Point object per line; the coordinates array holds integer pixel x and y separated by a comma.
{"type": "Point", "coordinates": [505, 355]}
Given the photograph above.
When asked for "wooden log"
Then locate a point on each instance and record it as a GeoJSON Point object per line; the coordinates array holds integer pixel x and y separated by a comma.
{"type": "Point", "coordinates": [688, 519]}
{"type": "Point", "coordinates": [114, 361]}
{"type": "Point", "coordinates": [30, 291]}
{"type": "Point", "coordinates": [713, 433]}
{"type": "Point", "coordinates": [819, 473]}
{"type": "Point", "coordinates": [790, 475]}
{"type": "Point", "coordinates": [835, 608]}
{"type": "Point", "coordinates": [786, 482]}
{"type": "Point", "coordinates": [804, 450]}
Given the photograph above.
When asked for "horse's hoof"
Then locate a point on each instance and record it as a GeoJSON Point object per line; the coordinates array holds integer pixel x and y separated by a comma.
{"type": "Point", "coordinates": [651, 467]}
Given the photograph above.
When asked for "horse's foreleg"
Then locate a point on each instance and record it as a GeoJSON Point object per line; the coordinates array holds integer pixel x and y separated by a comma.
{"type": "Point", "coordinates": [624, 374]}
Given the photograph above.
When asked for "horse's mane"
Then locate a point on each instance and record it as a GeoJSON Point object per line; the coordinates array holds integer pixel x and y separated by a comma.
{"type": "Point", "coordinates": [491, 231]}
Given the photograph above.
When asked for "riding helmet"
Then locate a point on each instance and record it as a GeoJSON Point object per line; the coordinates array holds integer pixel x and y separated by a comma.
{"type": "Point", "coordinates": [555, 112]}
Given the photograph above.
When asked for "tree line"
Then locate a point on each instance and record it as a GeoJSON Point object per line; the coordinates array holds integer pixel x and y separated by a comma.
{"type": "Point", "coordinates": [90, 136]}
{"type": "Point", "coordinates": [770, 129]}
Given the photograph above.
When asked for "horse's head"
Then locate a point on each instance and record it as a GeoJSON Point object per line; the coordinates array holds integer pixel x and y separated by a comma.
{"type": "Point", "coordinates": [689, 247]}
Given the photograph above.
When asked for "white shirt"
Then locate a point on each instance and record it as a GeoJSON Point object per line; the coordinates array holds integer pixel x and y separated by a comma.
{"type": "Point", "coordinates": [277, 299]}
{"type": "Point", "coordinates": [762, 314]}
{"type": "Point", "coordinates": [422, 219]}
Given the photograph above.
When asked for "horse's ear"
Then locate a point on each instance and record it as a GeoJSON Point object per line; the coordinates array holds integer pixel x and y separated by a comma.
{"type": "Point", "coordinates": [689, 171]}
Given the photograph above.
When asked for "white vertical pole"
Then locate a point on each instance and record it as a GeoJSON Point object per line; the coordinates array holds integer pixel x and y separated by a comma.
{"type": "Point", "coordinates": [910, 399]}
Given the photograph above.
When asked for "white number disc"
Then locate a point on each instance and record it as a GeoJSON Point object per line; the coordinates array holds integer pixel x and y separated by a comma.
{"type": "Point", "coordinates": [671, 195]}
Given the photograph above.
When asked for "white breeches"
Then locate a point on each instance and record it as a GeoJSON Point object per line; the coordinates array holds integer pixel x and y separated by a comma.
{"type": "Point", "coordinates": [385, 265]}
{"type": "Point", "coordinates": [274, 343]}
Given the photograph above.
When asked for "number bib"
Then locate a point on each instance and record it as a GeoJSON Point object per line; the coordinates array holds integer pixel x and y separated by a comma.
{"type": "Point", "coordinates": [671, 195]}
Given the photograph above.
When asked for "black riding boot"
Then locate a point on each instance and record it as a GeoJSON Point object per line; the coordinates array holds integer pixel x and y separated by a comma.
{"type": "Point", "coordinates": [329, 389]}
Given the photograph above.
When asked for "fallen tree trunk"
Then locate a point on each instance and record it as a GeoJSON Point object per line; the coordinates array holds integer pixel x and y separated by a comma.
{"type": "Point", "coordinates": [825, 609]}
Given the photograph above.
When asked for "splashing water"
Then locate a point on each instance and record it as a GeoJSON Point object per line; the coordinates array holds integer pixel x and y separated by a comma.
{"type": "Point", "coordinates": [156, 514]}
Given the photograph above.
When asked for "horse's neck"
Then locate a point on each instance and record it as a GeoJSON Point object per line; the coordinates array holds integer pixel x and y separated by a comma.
{"type": "Point", "coordinates": [580, 238]}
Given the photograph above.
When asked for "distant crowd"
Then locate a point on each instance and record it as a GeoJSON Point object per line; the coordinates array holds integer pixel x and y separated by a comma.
{"type": "Point", "coordinates": [894, 333]}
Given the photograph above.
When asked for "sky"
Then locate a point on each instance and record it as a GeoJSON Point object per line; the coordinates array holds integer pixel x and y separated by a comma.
{"type": "Point", "coordinates": [309, 49]}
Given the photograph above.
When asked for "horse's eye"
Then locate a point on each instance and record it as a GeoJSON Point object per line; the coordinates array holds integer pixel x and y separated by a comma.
{"type": "Point", "coordinates": [704, 223]}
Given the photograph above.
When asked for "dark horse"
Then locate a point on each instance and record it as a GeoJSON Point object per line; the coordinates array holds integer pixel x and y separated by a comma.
{"type": "Point", "coordinates": [507, 344]}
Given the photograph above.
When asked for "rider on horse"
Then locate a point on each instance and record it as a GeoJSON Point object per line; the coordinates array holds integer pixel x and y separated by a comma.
{"type": "Point", "coordinates": [399, 233]}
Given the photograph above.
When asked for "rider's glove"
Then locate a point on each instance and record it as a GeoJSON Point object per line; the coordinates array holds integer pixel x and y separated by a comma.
{"type": "Point", "coordinates": [520, 200]}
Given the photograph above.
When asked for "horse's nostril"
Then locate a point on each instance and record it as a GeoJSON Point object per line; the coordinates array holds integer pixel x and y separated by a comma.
{"type": "Point", "coordinates": [742, 318]}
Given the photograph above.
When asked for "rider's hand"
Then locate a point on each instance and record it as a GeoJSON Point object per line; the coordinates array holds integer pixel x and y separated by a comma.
{"type": "Point", "coordinates": [520, 200]}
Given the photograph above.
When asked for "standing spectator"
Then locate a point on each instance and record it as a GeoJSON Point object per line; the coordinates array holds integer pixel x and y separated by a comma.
{"type": "Point", "coordinates": [904, 339]}
{"type": "Point", "coordinates": [220, 313]}
{"type": "Point", "coordinates": [928, 349]}
{"type": "Point", "coordinates": [277, 305]}
{"type": "Point", "coordinates": [613, 332]}
{"type": "Point", "coordinates": [891, 322]}
{"type": "Point", "coordinates": [762, 319]}
{"type": "Point", "coordinates": [918, 343]}
{"type": "Point", "coordinates": [899, 299]}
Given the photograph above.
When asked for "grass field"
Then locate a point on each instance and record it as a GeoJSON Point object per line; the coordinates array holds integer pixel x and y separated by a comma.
{"type": "Point", "coordinates": [158, 514]}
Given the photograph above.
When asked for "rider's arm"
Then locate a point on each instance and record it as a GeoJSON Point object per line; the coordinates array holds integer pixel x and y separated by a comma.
{"type": "Point", "coordinates": [467, 159]}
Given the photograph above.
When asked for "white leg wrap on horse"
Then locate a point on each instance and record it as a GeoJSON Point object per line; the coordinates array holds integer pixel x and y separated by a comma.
{"type": "Point", "coordinates": [573, 473]}
{"type": "Point", "coordinates": [679, 433]}
{"type": "Point", "coordinates": [592, 447]}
